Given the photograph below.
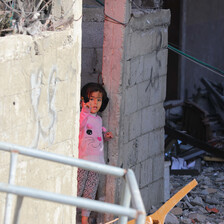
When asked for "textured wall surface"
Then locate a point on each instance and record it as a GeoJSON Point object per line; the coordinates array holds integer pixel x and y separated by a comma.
{"type": "Point", "coordinates": [137, 90]}
{"type": "Point", "coordinates": [206, 30]}
{"type": "Point", "coordinates": [92, 44]}
{"type": "Point", "coordinates": [39, 108]}
{"type": "Point", "coordinates": [144, 92]}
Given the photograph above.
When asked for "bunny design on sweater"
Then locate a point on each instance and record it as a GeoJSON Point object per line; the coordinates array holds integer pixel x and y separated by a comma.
{"type": "Point", "coordinates": [91, 137]}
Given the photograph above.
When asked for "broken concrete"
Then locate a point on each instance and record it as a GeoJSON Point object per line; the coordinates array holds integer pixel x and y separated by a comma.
{"type": "Point", "coordinates": [205, 203]}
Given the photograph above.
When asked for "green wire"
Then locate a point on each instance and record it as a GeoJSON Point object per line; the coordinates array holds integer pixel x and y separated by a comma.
{"type": "Point", "coordinates": [12, 14]}
{"type": "Point", "coordinates": [210, 67]}
{"type": "Point", "coordinates": [100, 2]}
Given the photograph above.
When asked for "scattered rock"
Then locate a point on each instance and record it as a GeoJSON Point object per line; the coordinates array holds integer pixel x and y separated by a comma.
{"type": "Point", "coordinates": [197, 217]}
{"type": "Point", "coordinates": [171, 219]}
{"type": "Point", "coordinates": [211, 210]}
{"type": "Point", "coordinates": [198, 201]}
{"type": "Point", "coordinates": [177, 211]}
{"type": "Point", "coordinates": [205, 203]}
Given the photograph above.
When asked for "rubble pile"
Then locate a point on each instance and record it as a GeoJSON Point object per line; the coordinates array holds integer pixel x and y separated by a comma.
{"type": "Point", "coordinates": [205, 203]}
{"type": "Point", "coordinates": [194, 144]}
{"type": "Point", "coordinates": [195, 128]}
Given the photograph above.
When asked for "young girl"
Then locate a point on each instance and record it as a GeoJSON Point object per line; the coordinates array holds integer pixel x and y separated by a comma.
{"type": "Point", "coordinates": [91, 135]}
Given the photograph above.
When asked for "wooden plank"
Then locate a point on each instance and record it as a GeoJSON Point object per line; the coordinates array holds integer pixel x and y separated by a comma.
{"type": "Point", "coordinates": [159, 216]}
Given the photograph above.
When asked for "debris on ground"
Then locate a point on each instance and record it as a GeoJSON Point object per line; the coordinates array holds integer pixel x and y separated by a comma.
{"type": "Point", "coordinates": [30, 17]}
{"type": "Point", "coordinates": [195, 129]}
{"type": "Point", "coordinates": [205, 203]}
{"type": "Point", "coordinates": [194, 144]}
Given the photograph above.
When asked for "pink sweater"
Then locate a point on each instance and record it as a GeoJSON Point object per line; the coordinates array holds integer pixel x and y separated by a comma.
{"type": "Point", "coordinates": [91, 137]}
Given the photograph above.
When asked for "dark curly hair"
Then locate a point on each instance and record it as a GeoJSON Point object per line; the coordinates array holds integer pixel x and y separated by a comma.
{"type": "Point", "coordinates": [95, 87]}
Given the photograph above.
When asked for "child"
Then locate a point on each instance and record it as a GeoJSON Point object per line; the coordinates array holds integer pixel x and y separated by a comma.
{"type": "Point", "coordinates": [93, 99]}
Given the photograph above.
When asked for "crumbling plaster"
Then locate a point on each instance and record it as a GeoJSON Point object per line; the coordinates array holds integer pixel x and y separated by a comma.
{"type": "Point", "coordinates": [39, 108]}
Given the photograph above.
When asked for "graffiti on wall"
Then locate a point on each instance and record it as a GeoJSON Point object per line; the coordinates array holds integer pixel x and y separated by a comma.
{"type": "Point", "coordinates": [44, 112]}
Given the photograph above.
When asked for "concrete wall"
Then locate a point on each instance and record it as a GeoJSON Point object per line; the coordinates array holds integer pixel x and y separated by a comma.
{"type": "Point", "coordinates": [39, 108]}
{"type": "Point", "coordinates": [137, 90]}
{"type": "Point", "coordinates": [144, 91]}
{"type": "Point", "coordinates": [202, 37]}
{"type": "Point", "coordinates": [92, 43]}
{"type": "Point", "coordinates": [137, 87]}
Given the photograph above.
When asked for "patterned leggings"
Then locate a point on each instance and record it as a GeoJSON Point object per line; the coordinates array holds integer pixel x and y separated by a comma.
{"type": "Point", "coordinates": [88, 182]}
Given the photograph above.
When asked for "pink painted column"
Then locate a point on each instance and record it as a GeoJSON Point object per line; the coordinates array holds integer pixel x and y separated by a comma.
{"type": "Point", "coordinates": [117, 14]}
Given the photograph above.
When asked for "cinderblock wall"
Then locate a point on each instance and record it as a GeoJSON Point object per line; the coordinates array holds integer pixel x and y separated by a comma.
{"type": "Point", "coordinates": [39, 108]}
{"type": "Point", "coordinates": [92, 43]}
{"type": "Point", "coordinates": [135, 113]}
{"type": "Point", "coordinates": [144, 90]}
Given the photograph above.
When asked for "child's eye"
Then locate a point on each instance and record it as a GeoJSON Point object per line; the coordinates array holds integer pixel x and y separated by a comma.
{"type": "Point", "coordinates": [91, 99]}
{"type": "Point", "coordinates": [99, 100]}
{"type": "Point", "coordinates": [89, 132]}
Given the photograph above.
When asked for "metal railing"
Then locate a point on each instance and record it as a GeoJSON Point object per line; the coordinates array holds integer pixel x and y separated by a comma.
{"type": "Point", "coordinates": [130, 188]}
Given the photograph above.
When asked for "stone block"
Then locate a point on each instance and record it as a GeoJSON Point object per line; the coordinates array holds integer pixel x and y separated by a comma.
{"type": "Point", "coordinates": [162, 59]}
{"type": "Point", "coordinates": [89, 77]}
{"type": "Point", "coordinates": [158, 167]}
{"type": "Point", "coordinates": [130, 153]}
{"type": "Point", "coordinates": [125, 128]}
{"type": "Point", "coordinates": [139, 44]}
{"type": "Point", "coordinates": [145, 192]}
{"type": "Point", "coordinates": [90, 37]}
{"type": "Point", "coordinates": [144, 21]}
{"type": "Point", "coordinates": [156, 191]}
{"type": "Point", "coordinates": [155, 64]}
{"type": "Point", "coordinates": [131, 100]}
{"type": "Point", "coordinates": [166, 180]}
{"type": "Point", "coordinates": [164, 38]}
{"type": "Point", "coordinates": [150, 64]}
{"type": "Point", "coordinates": [91, 60]}
{"type": "Point", "coordinates": [146, 42]}
{"type": "Point", "coordinates": [99, 55]}
{"type": "Point", "coordinates": [156, 142]}
{"type": "Point", "coordinates": [143, 147]}
{"type": "Point", "coordinates": [135, 125]}
{"type": "Point", "coordinates": [136, 71]}
{"type": "Point", "coordinates": [153, 117]}
{"type": "Point", "coordinates": [146, 172]}
{"type": "Point", "coordinates": [144, 94]}
{"type": "Point", "coordinates": [93, 14]}
{"type": "Point", "coordinates": [137, 171]}
{"type": "Point", "coordinates": [87, 60]}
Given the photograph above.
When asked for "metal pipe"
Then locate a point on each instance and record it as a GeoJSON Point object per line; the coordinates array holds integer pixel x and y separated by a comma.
{"type": "Point", "coordinates": [125, 201]}
{"type": "Point", "coordinates": [209, 86]}
{"type": "Point", "coordinates": [85, 203]}
{"type": "Point", "coordinates": [131, 188]}
{"type": "Point", "coordinates": [12, 175]}
{"type": "Point", "coordinates": [87, 165]}
{"type": "Point", "coordinates": [136, 196]}
{"type": "Point", "coordinates": [17, 210]}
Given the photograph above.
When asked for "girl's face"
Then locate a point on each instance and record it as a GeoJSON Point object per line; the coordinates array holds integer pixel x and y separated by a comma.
{"type": "Point", "coordinates": [95, 101]}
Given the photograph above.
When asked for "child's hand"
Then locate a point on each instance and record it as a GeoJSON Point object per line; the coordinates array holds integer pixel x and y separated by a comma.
{"type": "Point", "coordinates": [108, 135]}
{"type": "Point", "coordinates": [87, 105]}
